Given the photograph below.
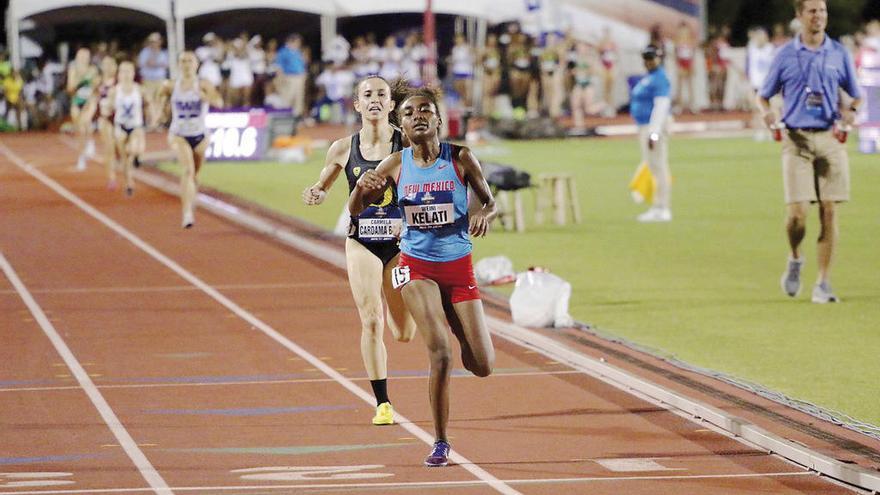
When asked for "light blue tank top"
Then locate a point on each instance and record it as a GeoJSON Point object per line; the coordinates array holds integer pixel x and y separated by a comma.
{"type": "Point", "coordinates": [434, 205]}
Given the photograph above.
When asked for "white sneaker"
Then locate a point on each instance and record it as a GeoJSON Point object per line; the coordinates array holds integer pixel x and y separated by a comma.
{"type": "Point", "coordinates": [188, 219]}
{"type": "Point", "coordinates": [822, 294]}
{"type": "Point", "coordinates": [656, 215]}
{"type": "Point", "coordinates": [791, 278]}
{"type": "Point", "coordinates": [81, 163]}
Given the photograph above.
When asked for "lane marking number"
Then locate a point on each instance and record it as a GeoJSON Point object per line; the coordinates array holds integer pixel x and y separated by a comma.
{"type": "Point", "coordinates": [634, 465]}
{"type": "Point", "coordinates": [20, 480]}
{"type": "Point", "coordinates": [311, 473]}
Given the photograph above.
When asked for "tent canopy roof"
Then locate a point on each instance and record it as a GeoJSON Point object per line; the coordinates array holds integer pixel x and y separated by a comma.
{"type": "Point", "coordinates": [491, 10]}
{"type": "Point", "coordinates": [22, 9]}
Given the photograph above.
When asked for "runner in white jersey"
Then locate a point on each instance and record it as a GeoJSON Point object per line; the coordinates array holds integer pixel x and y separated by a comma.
{"type": "Point", "coordinates": [189, 97]}
{"type": "Point", "coordinates": [128, 121]}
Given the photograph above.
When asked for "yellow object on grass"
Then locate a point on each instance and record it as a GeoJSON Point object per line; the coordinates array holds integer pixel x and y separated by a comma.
{"type": "Point", "coordinates": [643, 184]}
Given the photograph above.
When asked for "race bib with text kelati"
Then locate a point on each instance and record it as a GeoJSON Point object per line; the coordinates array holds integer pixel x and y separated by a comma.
{"type": "Point", "coordinates": [432, 210]}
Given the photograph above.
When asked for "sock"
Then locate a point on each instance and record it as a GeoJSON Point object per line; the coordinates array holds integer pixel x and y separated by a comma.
{"type": "Point", "coordinates": [380, 390]}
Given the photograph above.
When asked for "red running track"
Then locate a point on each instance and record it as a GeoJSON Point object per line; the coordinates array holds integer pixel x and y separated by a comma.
{"type": "Point", "coordinates": [138, 357]}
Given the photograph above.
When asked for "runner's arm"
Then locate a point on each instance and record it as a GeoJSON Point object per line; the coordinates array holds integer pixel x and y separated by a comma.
{"type": "Point", "coordinates": [337, 155]}
{"type": "Point", "coordinates": [371, 184]}
{"type": "Point", "coordinates": [473, 174]}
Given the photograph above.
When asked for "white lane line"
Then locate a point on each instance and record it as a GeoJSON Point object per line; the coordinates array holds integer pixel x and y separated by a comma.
{"type": "Point", "coordinates": [122, 436]}
{"type": "Point", "coordinates": [275, 382]}
{"type": "Point", "coordinates": [174, 288]}
{"type": "Point", "coordinates": [424, 484]}
{"type": "Point", "coordinates": [349, 385]}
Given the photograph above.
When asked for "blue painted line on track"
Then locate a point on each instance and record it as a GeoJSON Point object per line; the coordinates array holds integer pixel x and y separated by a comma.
{"type": "Point", "coordinates": [210, 378]}
{"type": "Point", "coordinates": [252, 411]}
{"type": "Point", "coordinates": [8, 461]}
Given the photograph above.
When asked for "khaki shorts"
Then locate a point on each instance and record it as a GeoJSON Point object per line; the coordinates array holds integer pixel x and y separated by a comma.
{"type": "Point", "coordinates": [815, 167]}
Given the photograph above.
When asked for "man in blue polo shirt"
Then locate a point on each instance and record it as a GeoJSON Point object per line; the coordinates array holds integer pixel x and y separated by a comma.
{"type": "Point", "coordinates": [291, 81]}
{"type": "Point", "coordinates": [649, 107]}
{"type": "Point", "coordinates": [809, 71]}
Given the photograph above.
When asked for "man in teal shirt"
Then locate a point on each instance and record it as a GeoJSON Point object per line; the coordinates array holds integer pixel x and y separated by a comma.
{"type": "Point", "coordinates": [649, 107]}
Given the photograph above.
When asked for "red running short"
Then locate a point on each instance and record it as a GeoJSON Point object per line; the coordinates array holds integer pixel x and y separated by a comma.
{"type": "Point", "coordinates": [455, 278]}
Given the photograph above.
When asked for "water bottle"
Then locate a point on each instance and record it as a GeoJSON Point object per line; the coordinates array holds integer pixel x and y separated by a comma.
{"type": "Point", "coordinates": [841, 131]}
{"type": "Point", "coordinates": [776, 129]}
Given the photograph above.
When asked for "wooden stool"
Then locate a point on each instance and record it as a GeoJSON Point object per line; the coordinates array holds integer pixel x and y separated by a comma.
{"type": "Point", "coordinates": [511, 217]}
{"type": "Point", "coordinates": [559, 192]}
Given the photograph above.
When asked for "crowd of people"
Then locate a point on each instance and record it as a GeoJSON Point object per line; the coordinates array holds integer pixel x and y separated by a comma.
{"type": "Point", "coordinates": [552, 75]}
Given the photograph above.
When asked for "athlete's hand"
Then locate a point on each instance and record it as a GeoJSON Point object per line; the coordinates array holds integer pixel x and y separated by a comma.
{"type": "Point", "coordinates": [371, 181]}
{"type": "Point", "coordinates": [313, 196]}
{"type": "Point", "coordinates": [479, 223]}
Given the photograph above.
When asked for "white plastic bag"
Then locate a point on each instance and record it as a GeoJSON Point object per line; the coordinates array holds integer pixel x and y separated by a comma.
{"type": "Point", "coordinates": [540, 299]}
{"type": "Point", "coordinates": [494, 270]}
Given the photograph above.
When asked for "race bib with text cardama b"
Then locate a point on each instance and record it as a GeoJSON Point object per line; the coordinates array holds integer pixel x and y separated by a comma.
{"type": "Point", "coordinates": [378, 229]}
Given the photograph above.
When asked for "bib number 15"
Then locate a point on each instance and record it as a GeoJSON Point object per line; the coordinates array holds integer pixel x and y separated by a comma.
{"type": "Point", "coordinates": [400, 276]}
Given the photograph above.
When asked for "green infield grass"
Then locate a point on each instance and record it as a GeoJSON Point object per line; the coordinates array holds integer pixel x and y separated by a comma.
{"type": "Point", "coordinates": [703, 288]}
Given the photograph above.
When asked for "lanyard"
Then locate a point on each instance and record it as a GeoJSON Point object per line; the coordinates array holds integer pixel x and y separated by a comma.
{"type": "Point", "coordinates": [805, 74]}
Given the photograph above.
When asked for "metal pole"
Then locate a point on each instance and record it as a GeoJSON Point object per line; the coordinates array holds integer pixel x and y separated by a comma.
{"type": "Point", "coordinates": [479, 73]}
{"type": "Point", "coordinates": [13, 37]}
{"type": "Point", "coordinates": [328, 33]}
{"type": "Point", "coordinates": [431, 43]}
{"type": "Point", "coordinates": [704, 19]}
{"type": "Point", "coordinates": [174, 44]}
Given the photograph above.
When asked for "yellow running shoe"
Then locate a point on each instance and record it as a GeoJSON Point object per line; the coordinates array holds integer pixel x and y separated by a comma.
{"type": "Point", "coordinates": [384, 414]}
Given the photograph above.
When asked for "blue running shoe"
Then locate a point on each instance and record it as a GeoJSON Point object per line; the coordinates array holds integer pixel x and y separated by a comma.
{"type": "Point", "coordinates": [439, 456]}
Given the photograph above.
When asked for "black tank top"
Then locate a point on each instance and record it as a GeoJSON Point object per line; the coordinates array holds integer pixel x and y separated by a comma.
{"type": "Point", "coordinates": [357, 164]}
{"type": "Point", "coordinates": [373, 218]}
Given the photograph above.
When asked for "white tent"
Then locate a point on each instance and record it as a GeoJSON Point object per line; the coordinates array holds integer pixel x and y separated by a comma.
{"type": "Point", "coordinates": [20, 10]}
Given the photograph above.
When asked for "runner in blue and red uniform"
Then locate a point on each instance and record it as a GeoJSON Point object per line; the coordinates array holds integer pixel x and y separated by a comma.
{"type": "Point", "coordinates": [434, 274]}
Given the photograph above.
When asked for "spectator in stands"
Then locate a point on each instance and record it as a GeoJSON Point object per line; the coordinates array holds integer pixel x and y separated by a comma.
{"type": "Point", "coordinates": [101, 50]}
{"type": "Point", "coordinates": [5, 65]}
{"type": "Point", "coordinates": [153, 66]}
{"type": "Point", "coordinates": [390, 56]}
{"type": "Point", "coordinates": [338, 51]}
{"type": "Point", "coordinates": [583, 93]}
{"type": "Point", "coordinates": [650, 108]}
{"type": "Point", "coordinates": [491, 61]}
{"type": "Point", "coordinates": [759, 56]}
{"type": "Point", "coordinates": [291, 81]}
{"type": "Point", "coordinates": [608, 57]}
{"type": "Point", "coordinates": [362, 63]}
{"type": "Point", "coordinates": [461, 62]}
{"type": "Point", "coordinates": [337, 85]}
{"type": "Point", "coordinates": [210, 54]}
{"type": "Point", "coordinates": [33, 100]}
{"type": "Point", "coordinates": [12, 89]}
{"type": "Point", "coordinates": [518, 66]}
{"type": "Point", "coordinates": [717, 63]}
{"type": "Point", "coordinates": [271, 56]}
{"type": "Point", "coordinates": [685, 51]}
{"type": "Point", "coordinates": [659, 40]}
{"type": "Point", "coordinates": [414, 55]}
{"type": "Point", "coordinates": [553, 71]}
{"type": "Point", "coordinates": [241, 75]}
{"type": "Point", "coordinates": [260, 68]}
{"type": "Point", "coordinates": [780, 36]}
